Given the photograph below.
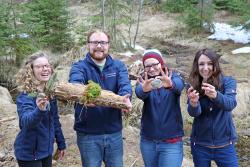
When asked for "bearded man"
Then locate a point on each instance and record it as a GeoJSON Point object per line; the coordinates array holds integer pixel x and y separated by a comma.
{"type": "Point", "coordinates": [99, 129]}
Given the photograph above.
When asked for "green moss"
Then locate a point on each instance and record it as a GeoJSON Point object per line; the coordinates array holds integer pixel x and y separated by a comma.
{"type": "Point", "coordinates": [92, 91]}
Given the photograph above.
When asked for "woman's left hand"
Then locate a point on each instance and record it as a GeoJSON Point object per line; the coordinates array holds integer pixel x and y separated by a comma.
{"type": "Point", "coordinates": [165, 78]}
{"type": "Point", "coordinates": [209, 90]}
{"type": "Point", "coordinates": [61, 154]}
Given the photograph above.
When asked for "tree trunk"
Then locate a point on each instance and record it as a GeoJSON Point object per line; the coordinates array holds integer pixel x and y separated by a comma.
{"type": "Point", "coordinates": [74, 92]}
{"type": "Point", "coordinates": [138, 22]}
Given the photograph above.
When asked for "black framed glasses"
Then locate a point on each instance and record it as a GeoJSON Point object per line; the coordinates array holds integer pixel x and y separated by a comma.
{"type": "Point", "coordinates": [147, 67]}
{"type": "Point", "coordinates": [41, 66]}
{"type": "Point", "coordinates": [96, 43]}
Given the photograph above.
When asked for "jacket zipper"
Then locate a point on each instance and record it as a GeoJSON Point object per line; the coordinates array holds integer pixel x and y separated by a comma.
{"type": "Point", "coordinates": [49, 128]}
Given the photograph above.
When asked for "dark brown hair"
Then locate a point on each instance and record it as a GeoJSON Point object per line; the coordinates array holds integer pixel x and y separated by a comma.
{"type": "Point", "coordinates": [195, 78]}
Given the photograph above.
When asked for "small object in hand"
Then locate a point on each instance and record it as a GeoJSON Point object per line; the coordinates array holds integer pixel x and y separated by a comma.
{"type": "Point", "coordinates": [187, 86]}
{"type": "Point", "coordinates": [156, 83]}
{"type": "Point", "coordinates": [56, 155]}
{"type": "Point", "coordinates": [41, 95]}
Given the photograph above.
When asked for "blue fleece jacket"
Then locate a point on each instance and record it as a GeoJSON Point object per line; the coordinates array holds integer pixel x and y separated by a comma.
{"type": "Point", "coordinates": [213, 123]}
{"type": "Point", "coordinates": [161, 113]}
{"type": "Point", "coordinates": [38, 129]}
{"type": "Point", "coordinates": [113, 77]}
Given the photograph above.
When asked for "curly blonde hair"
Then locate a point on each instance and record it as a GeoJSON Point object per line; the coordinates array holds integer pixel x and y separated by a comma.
{"type": "Point", "coordinates": [25, 79]}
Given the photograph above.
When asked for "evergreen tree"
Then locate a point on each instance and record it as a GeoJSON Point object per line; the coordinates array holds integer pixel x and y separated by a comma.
{"type": "Point", "coordinates": [49, 23]}
{"type": "Point", "coordinates": [4, 26]}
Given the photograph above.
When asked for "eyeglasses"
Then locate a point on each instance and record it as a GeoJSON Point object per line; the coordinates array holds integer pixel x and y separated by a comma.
{"type": "Point", "coordinates": [102, 43]}
{"type": "Point", "coordinates": [40, 66]}
{"type": "Point", "coordinates": [152, 65]}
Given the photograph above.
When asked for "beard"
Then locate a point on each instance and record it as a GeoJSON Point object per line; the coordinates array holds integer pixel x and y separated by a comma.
{"type": "Point", "coordinates": [98, 55]}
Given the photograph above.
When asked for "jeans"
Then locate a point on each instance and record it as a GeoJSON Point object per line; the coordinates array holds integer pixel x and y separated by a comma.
{"type": "Point", "coordinates": [97, 148]}
{"type": "Point", "coordinates": [45, 162]}
{"type": "Point", "coordinates": [161, 154]}
{"type": "Point", "coordinates": [223, 157]}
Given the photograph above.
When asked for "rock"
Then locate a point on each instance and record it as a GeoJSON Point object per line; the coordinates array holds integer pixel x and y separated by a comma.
{"type": "Point", "coordinates": [5, 96]}
{"type": "Point", "coordinates": [2, 156]}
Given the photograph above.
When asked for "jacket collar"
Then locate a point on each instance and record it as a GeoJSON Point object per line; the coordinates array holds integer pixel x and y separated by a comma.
{"type": "Point", "coordinates": [109, 60]}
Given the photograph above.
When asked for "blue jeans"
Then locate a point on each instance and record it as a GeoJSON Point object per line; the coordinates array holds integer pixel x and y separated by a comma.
{"type": "Point", "coordinates": [223, 157]}
{"type": "Point", "coordinates": [161, 154]}
{"type": "Point", "coordinates": [97, 148]}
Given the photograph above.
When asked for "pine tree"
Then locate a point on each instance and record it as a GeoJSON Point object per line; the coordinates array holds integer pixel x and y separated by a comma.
{"type": "Point", "coordinates": [49, 23]}
{"type": "Point", "coordinates": [4, 26]}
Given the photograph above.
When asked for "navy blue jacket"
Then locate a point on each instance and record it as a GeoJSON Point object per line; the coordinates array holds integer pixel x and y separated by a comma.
{"type": "Point", "coordinates": [113, 77]}
{"type": "Point", "coordinates": [161, 113]}
{"type": "Point", "coordinates": [38, 129]}
{"type": "Point", "coordinates": [213, 124]}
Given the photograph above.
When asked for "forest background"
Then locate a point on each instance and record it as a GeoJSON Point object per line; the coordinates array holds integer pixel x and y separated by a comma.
{"type": "Point", "coordinates": [178, 28]}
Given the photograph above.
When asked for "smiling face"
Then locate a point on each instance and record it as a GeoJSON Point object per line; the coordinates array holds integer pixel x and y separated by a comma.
{"type": "Point", "coordinates": [42, 69]}
{"type": "Point", "coordinates": [152, 67]}
{"type": "Point", "coordinates": [205, 66]}
{"type": "Point", "coordinates": [98, 46]}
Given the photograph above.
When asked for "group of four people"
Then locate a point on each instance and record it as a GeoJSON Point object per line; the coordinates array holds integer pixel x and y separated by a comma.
{"type": "Point", "coordinates": [211, 99]}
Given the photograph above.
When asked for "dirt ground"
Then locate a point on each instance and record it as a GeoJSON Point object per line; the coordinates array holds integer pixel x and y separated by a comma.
{"type": "Point", "coordinates": [162, 31]}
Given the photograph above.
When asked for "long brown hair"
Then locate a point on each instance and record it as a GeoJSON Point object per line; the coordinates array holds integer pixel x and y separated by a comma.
{"type": "Point", "coordinates": [195, 78]}
{"type": "Point", "coordinates": [25, 79]}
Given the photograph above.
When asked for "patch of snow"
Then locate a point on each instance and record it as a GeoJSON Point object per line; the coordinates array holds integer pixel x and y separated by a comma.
{"type": "Point", "coordinates": [241, 50]}
{"type": "Point", "coordinates": [138, 47]}
{"type": "Point", "coordinates": [223, 31]}
{"type": "Point", "coordinates": [128, 54]}
{"type": "Point", "coordinates": [138, 62]}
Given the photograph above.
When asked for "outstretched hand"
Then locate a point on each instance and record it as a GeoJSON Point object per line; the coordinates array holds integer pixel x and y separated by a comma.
{"type": "Point", "coordinates": [209, 90]}
{"type": "Point", "coordinates": [146, 83]}
{"type": "Point", "coordinates": [127, 101]}
{"type": "Point", "coordinates": [41, 103]}
{"type": "Point", "coordinates": [165, 78]}
{"type": "Point", "coordinates": [193, 96]}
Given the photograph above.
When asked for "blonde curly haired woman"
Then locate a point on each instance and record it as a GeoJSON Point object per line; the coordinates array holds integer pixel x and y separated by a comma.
{"type": "Point", "coordinates": [38, 116]}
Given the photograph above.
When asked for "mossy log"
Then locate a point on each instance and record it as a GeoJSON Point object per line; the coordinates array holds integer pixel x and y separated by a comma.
{"type": "Point", "coordinates": [74, 92]}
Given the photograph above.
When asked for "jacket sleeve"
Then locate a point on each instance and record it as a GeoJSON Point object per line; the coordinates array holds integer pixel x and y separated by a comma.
{"type": "Point", "coordinates": [124, 86]}
{"type": "Point", "coordinates": [227, 100]}
{"type": "Point", "coordinates": [194, 111]}
{"type": "Point", "coordinates": [76, 74]}
{"type": "Point", "coordinates": [139, 92]}
{"type": "Point", "coordinates": [178, 83]}
{"type": "Point", "coordinates": [29, 114]}
{"type": "Point", "coordinates": [58, 130]}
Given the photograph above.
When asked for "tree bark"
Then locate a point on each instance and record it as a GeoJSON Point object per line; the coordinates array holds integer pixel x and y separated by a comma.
{"type": "Point", "coordinates": [74, 92]}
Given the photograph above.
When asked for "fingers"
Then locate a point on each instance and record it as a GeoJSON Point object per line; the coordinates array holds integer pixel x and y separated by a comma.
{"type": "Point", "coordinates": [127, 96]}
{"type": "Point", "coordinates": [163, 73]}
{"type": "Point", "coordinates": [41, 103]}
{"type": "Point", "coordinates": [146, 76]}
{"type": "Point", "coordinates": [192, 94]}
{"type": "Point", "coordinates": [140, 79]}
{"type": "Point", "coordinates": [90, 105]}
{"type": "Point", "coordinates": [210, 90]}
{"type": "Point", "coordinates": [166, 72]}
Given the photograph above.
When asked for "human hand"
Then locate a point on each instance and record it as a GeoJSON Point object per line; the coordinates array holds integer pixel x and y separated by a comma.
{"type": "Point", "coordinates": [209, 90]}
{"type": "Point", "coordinates": [146, 83]}
{"type": "Point", "coordinates": [127, 101]}
{"type": "Point", "coordinates": [193, 96]}
{"type": "Point", "coordinates": [90, 105]}
{"type": "Point", "coordinates": [59, 154]}
{"type": "Point", "coordinates": [165, 78]}
{"type": "Point", "coordinates": [42, 101]}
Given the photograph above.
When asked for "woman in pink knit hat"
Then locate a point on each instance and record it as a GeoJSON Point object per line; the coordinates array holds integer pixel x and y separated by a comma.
{"type": "Point", "coordinates": [161, 123]}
